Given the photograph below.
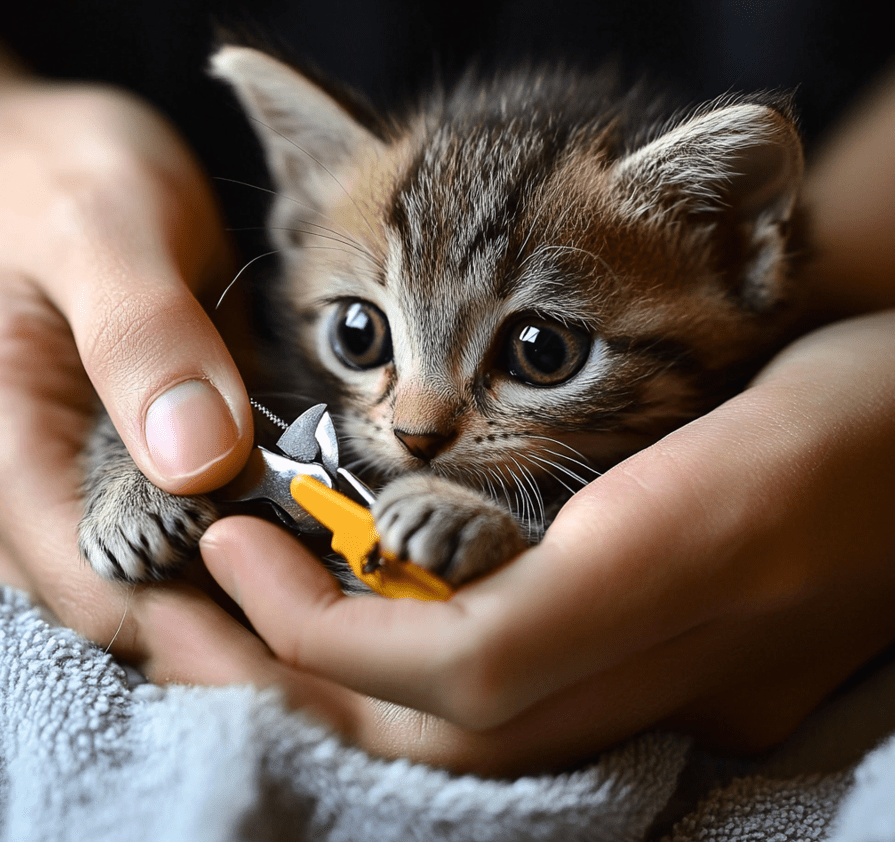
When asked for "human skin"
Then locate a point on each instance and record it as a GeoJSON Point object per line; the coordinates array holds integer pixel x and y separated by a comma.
{"type": "Point", "coordinates": [722, 581]}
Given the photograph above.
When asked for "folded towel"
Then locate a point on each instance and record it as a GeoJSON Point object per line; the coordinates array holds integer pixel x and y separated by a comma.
{"type": "Point", "coordinates": [868, 814]}
{"type": "Point", "coordinates": [86, 754]}
{"type": "Point", "coordinates": [86, 757]}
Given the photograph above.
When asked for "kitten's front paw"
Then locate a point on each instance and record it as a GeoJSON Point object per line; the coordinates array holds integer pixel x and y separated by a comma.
{"type": "Point", "coordinates": [134, 531]}
{"type": "Point", "coordinates": [453, 531]}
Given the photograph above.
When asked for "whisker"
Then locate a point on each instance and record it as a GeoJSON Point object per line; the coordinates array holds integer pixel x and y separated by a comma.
{"type": "Point", "coordinates": [514, 488]}
{"type": "Point", "coordinates": [532, 524]}
{"type": "Point", "coordinates": [536, 491]}
{"type": "Point", "coordinates": [494, 492]}
{"type": "Point", "coordinates": [333, 248]}
{"type": "Point", "coordinates": [578, 458]}
{"type": "Point", "coordinates": [236, 278]}
{"type": "Point", "coordinates": [127, 603]}
{"type": "Point", "coordinates": [499, 487]}
{"type": "Point", "coordinates": [276, 194]}
{"type": "Point", "coordinates": [552, 465]}
{"type": "Point", "coordinates": [483, 482]}
{"type": "Point", "coordinates": [337, 234]}
{"type": "Point", "coordinates": [569, 472]}
{"type": "Point", "coordinates": [527, 515]}
{"type": "Point", "coordinates": [535, 499]}
{"type": "Point", "coordinates": [358, 464]}
{"type": "Point", "coordinates": [259, 188]}
{"type": "Point", "coordinates": [521, 499]}
{"type": "Point", "coordinates": [547, 468]}
{"type": "Point", "coordinates": [336, 237]}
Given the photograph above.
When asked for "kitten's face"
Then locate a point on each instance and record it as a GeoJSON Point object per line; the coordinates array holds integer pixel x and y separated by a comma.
{"type": "Point", "coordinates": [480, 356]}
{"type": "Point", "coordinates": [497, 291]}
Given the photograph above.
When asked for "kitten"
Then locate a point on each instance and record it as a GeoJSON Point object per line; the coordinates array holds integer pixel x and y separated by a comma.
{"type": "Point", "coordinates": [519, 284]}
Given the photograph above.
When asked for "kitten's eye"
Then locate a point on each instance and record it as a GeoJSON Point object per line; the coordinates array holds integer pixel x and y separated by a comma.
{"type": "Point", "coordinates": [360, 336]}
{"type": "Point", "coordinates": [542, 353]}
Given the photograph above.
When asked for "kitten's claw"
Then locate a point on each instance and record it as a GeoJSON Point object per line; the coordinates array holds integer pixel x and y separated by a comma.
{"type": "Point", "coordinates": [135, 532]}
{"type": "Point", "coordinates": [453, 531]}
{"type": "Point", "coordinates": [131, 530]}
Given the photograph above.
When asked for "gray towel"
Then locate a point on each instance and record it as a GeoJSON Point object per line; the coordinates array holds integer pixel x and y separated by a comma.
{"type": "Point", "coordinates": [86, 755]}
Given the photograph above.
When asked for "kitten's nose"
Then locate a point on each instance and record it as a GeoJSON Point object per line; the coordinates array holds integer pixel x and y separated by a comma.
{"type": "Point", "coordinates": [424, 446]}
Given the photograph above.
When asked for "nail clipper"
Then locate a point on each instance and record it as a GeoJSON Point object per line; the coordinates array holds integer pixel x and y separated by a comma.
{"type": "Point", "coordinates": [312, 493]}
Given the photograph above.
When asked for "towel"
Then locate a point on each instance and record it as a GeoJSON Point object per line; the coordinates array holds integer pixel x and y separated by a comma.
{"type": "Point", "coordinates": [88, 753]}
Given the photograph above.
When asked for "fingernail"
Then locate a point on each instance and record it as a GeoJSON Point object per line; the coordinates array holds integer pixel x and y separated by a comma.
{"type": "Point", "coordinates": [188, 428]}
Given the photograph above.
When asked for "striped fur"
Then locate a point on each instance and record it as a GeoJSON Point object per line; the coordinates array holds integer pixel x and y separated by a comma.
{"type": "Point", "coordinates": [658, 245]}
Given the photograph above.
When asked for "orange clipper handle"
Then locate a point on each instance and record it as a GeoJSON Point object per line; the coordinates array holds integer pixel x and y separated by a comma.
{"type": "Point", "coordinates": [355, 538]}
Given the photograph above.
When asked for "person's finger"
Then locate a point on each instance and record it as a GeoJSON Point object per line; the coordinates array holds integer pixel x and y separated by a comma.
{"type": "Point", "coordinates": [45, 412]}
{"type": "Point", "coordinates": [185, 638]}
{"type": "Point", "coordinates": [159, 365]}
{"type": "Point", "coordinates": [167, 381]}
{"type": "Point", "coordinates": [492, 650]}
{"type": "Point", "coordinates": [134, 232]}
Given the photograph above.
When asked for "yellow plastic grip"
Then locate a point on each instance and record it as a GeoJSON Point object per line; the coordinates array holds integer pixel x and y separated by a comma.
{"type": "Point", "coordinates": [355, 538]}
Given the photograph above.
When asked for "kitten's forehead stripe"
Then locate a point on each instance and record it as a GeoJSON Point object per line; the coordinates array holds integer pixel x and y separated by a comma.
{"type": "Point", "coordinates": [470, 186]}
{"type": "Point", "coordinates": [483, 193]}
{"type": "Point", "coordinates": [458, 191]}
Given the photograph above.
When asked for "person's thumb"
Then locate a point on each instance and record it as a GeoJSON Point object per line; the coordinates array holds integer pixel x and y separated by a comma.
{"type": "Point", "coordinates": [153, 355]}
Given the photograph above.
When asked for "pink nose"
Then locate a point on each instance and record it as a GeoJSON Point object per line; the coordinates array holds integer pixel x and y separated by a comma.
{"type": "Point", "coordinates": [425, 446]}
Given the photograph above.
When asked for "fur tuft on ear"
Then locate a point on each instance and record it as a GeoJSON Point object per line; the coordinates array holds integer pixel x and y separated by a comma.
{"type": "Point", "coordinates": [308, 136]}
{"type": "Point", "coordinates": [737, 168]}
{"type": "Point", "coordinates": [746, 157]}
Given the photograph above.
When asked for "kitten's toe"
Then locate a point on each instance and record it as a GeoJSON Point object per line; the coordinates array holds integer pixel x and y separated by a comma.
{"type": "Point", "coordinates": [132, 531]}
{"type": "Point", "coordinates": [446, 528]}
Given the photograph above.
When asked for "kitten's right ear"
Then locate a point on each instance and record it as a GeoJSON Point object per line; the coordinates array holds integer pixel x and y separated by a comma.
{"type": "Point", "coordinates": [307, 135]}
{"type": "Point", "coordinates": [736, 167]}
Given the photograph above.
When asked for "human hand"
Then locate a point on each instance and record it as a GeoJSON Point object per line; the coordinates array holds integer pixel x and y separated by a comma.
{"type": "Point", "coordinates": [120, 287]}
{"type": "Point", "coordinates": [722, 581]}
{"type": "Point", "coordinates": [107, 228]}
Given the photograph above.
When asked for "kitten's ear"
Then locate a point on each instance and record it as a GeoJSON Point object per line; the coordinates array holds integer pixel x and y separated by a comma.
{"type": "Point", "coordinates": [307, 135]}
{"type": "Point", "coordinates": [737, 167]}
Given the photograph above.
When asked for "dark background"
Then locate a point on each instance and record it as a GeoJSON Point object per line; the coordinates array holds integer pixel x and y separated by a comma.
{"type": "Point", "coordinates": [825, 50]}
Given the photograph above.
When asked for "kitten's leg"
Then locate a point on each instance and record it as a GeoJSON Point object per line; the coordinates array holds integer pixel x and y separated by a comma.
{"type": "Point", "coordinates": [446, 528]}
{"type": "Point", "coordinates": [131, 530]}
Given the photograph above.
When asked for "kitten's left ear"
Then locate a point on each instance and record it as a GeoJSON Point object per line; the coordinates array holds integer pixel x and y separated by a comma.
{"type": "Point", "coordinates": [738, 168]}
{"type": "Point", "coordinates": [308, 135]}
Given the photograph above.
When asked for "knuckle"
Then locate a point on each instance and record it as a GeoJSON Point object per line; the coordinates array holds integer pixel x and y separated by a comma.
{"type": "Point", "coordinates": [17, 317]}
{"type": "Point", "coordinates": [31, 329]}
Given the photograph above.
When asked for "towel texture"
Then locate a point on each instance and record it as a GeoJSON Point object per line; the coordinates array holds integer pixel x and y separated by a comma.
{"type": "Point", "coordinates": [83, 755]}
